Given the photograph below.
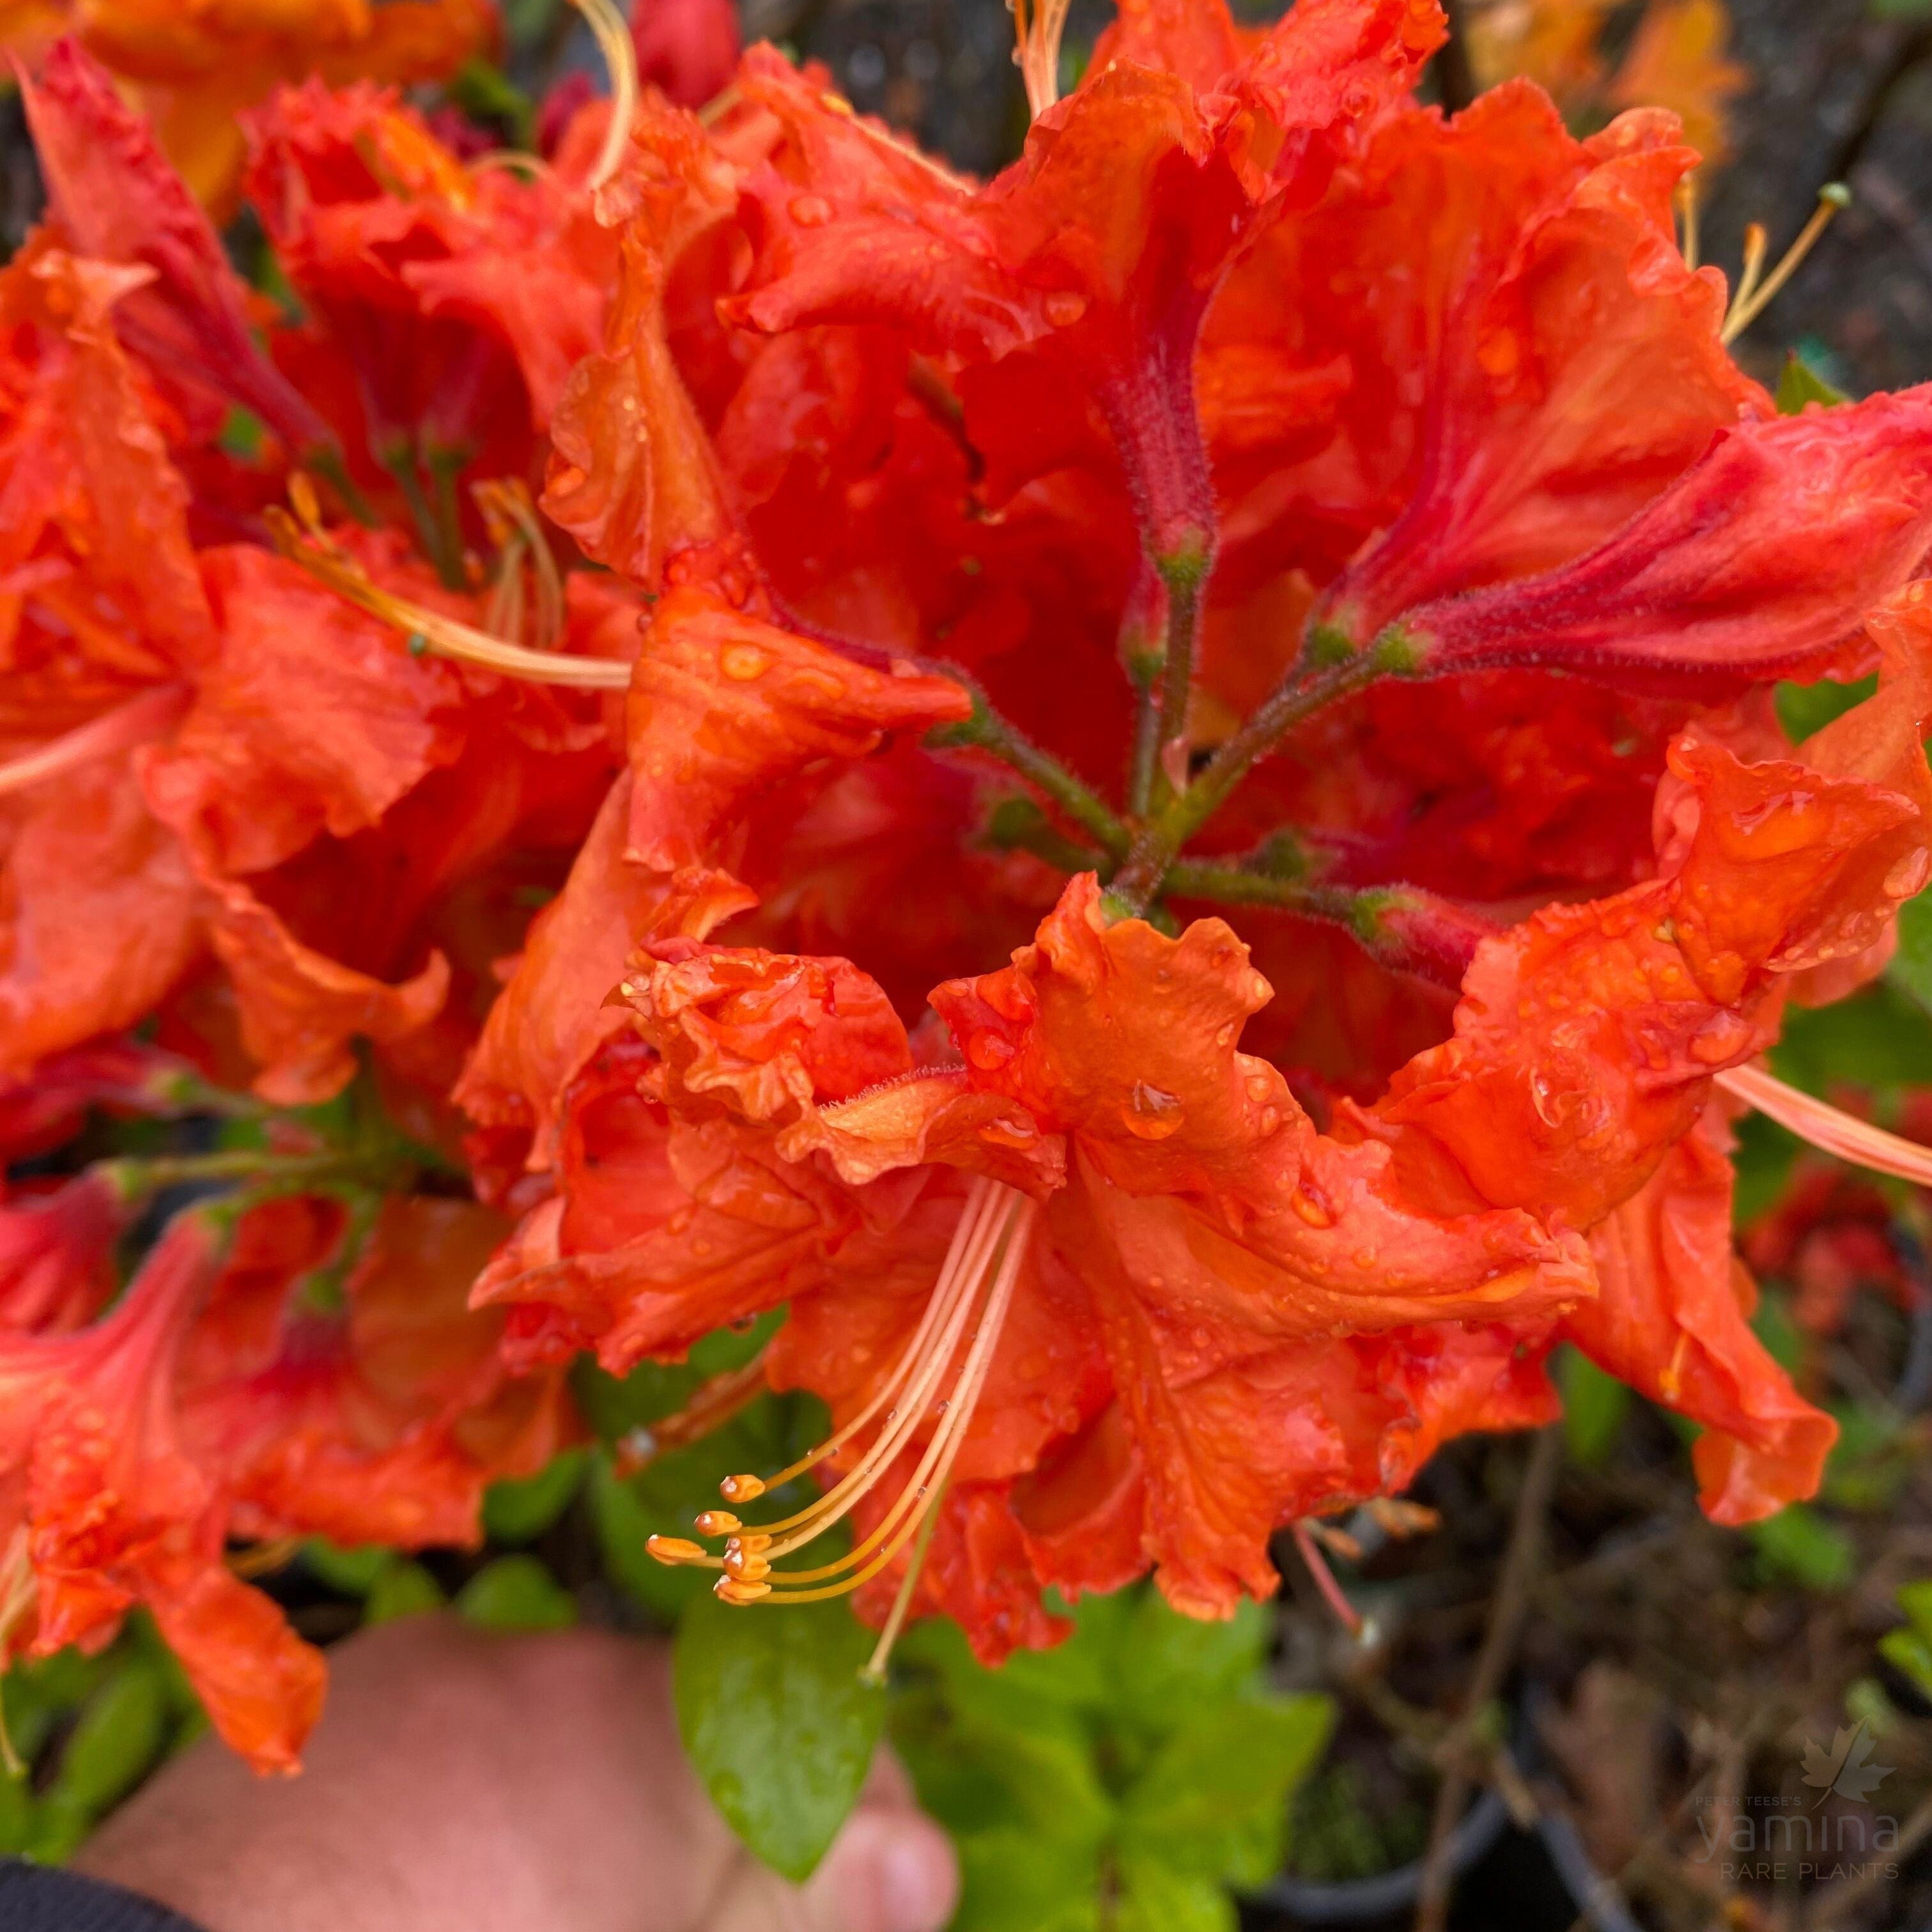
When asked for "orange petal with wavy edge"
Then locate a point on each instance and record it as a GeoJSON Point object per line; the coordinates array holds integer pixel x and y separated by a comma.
{"type": "Point", "coordinates": [1671, 1320]}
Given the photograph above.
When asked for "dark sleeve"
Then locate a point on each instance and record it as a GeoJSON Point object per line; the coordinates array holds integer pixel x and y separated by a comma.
{"type": "Point", "coordinates": [39, 1898]}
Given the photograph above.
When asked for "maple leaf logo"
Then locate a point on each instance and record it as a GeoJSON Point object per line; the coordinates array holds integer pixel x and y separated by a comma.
{"type": "Point", "coordinates": [1844, 1769]}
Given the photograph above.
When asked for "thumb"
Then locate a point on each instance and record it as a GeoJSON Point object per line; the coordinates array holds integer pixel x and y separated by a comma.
{"type": "Point", "coordinates": [890, 1869]}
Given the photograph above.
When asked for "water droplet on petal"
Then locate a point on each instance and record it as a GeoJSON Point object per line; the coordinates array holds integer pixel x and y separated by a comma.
{"type": "Point", "coordinates": [811, 211]}
{"type": "Point", "coordinates": [1907, 877]}
{"type": "Point", "coordinates": [743, 662]}
{"type": "Point", "coordinates": [1313, 1205]}
{"type": "Point", "coordinates": [1259, 1086]}
{"type": "Point", "coordinates": [1064, 308]}
{"type": "Point", "coordinates": [1723, 1036]}
{"type": "Point", "coordinates": [988, 1051]}
{"type": "Point", "coordinates": [1151, 1113]}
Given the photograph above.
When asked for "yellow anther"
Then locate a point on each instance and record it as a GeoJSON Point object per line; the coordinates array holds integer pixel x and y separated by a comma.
{"type": "Point", "coordinates": [674, 1549]}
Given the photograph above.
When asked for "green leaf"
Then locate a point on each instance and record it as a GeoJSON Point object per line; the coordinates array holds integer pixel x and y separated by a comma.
{"type": "Point", "coordinates": [517, 1512]}
{"type": "Point", "coordinates": [613, 1406]}
{"type": "Point", "coordinates": [486, 93]}
{"type": "Point", "coordinates": [668, 1491]}
{"type": "Point", "coordinates": [977, 1770]}
{"type": "Point", "coordinates": [1798, 383]}
{"type": "Point", "coordinates": [401, 1590]}
{"type": "Point", "coordinates": [1594, 1406]}
{"type": "Point", "coordinates": [1803, 709]}
{"type": "Point", "coordinates": [1915, 1600]}
{"type": "Point", "coordinates": [1911, 966]}
{"type": "Point", "coordinates": [1214, 1800]}
{"type": "Point", "coordinates": [777, 1721]}
{"type": "Point", "coordinates": [1799, 1544]}
{"type": "Point", "coordinates": [1762, 1165]}
{"type": "Point", "coordinates": [353, 1572]}
{"type": "Point", "coordinates": [1170, 1667]}
{"type": "Point", "coordinates": [119, 1736]}
{"type": "Point", "coordinates": [18, 1821]}
{"type": "Point", "coordinates": [1881, 1037]}
{"type": "Point", "coordinates": [1017, 1881]}
{"type": "Point", "coordinates": [1909, 1651]}
{"type": "Point", "coordinates": [1155, 1898]}
{"type": "Point", "coordinates": [516, 1593]}
{"type": "Point", "coordinates": [1775, 1326]}
{"type": "Point", "coordinates": [1076, 1677]}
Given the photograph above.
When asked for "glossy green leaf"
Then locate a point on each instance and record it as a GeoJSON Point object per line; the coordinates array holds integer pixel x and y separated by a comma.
{"type": "Point", "coordinates": [401, 1590]}
{"type": "Point", "coordinates": [517, 1512]}
{"type": "Point", "coordinates": [665, 1495]}
{"type": "Point", "coordinates": [1156, 1897]}
{"type": "Point", "coordinates": [119, 1736]}
{"type": "Point", "coordinates": [977, 1771]}
{"type": "Point", "coordinates": [1594, 1406]}
{"type": "Point", "coordinates": [1214, 1800]}
{"type": "Point", "coordinates": [777, 1721]}
{"type": "Point", "coordinates": [1021, 1881]}
{"type": "Point", "coordinates": [516, 1593]}
{"type": "Point", "coordinates": [1169, 1666]}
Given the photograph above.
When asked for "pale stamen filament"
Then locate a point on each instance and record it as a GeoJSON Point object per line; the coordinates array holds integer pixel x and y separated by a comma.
{"type": "Point", "coordinates": [935, 1468]}
{"type": "Point", "coordinates": [1037, 34]}
{"type": "Point", "coordinates": [135, 722]}
{"type": "Point", "coordinates": [510, 518]}
{"type": "Point", "coordinates": [304, 542]}
{"type": "Point", "coordinates": [921, 1362]}
{"type": "Point", "coordinates": [977, 1225]}
{"type": "Point", "coordinates": [1827, 1127]}
{"type": "Point", "coordinates": [612, 32]}
{"type": "Point", "coordinates": [838, 1503]}
{"type": "Point", "coordinates": [980, 1276]}
{"type": "Point", "coordinates": [1688, 211]}
{"type": "Point", "coordinates": [1754, 295]}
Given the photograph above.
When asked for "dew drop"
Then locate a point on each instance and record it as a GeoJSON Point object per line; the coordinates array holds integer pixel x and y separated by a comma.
{"type": "Point", "coordinates": [1064, 308]}
{"type": "Point", "coordinates": [1313, 1205]}
{"type": "Point", "coordinates": [811, 211]}
{"type": "Point", "coordinates": [1723, 1036]}
{"type": "Point", "coordinates": [988, 1051]}
{"type": "Point", "coordinates": [1907, 877]}
{"type": "Point", "coordinates": [742, 662]}
{"type": "Point", "coordinates": [1259, 1086]}
{"type": "Point", "coordinates": [1151, 1113]}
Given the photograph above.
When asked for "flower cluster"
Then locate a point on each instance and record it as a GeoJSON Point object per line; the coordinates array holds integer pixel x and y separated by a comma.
{"type": "Point", "coordinates": [1145, 791]}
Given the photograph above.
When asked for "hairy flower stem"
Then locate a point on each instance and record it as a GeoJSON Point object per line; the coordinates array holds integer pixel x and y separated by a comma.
{"type": "Point", "coordinates": [1404, 928]}
{"type": "Point", "coordinates": [1299, 696]}
{"type": "Point", "coordinates": [1184, 575]}
{"type": "Point", "coordinates": [986, 730]}
{"type": "Point", "coordinates": [139, 1175]}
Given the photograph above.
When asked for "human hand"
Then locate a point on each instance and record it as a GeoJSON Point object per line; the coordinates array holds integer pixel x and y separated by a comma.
{"type": "Point", "coordinates": [462, 1782]}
